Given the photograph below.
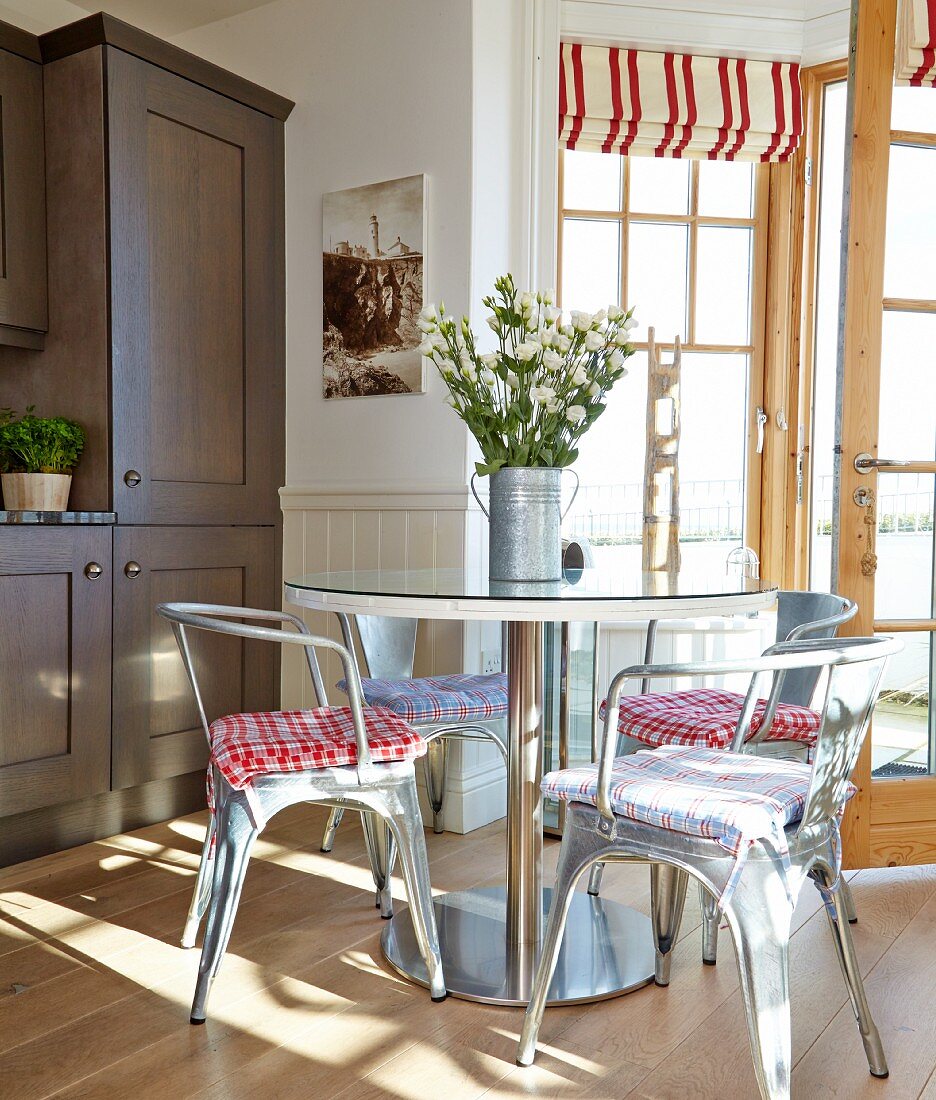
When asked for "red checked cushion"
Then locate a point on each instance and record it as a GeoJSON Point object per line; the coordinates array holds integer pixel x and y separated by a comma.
{"type": "Point", "coordinates": [244, 746]}
{"type": "Point", "coordinates": [706, 718]}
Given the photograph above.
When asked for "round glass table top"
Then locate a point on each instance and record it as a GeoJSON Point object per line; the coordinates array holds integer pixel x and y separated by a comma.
{"type": "Point", "coordinates": [583, 594]}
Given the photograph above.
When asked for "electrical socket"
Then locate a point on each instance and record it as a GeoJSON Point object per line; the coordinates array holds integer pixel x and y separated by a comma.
{"type": "Point", "coordinates": [490, 661]}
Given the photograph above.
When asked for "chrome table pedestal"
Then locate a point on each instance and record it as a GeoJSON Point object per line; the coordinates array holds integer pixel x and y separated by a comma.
{"type": "Point", "coordinates": [490, 938]}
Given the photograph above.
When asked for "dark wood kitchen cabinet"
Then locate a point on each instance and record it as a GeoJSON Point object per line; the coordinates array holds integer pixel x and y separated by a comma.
{"type": "Point", "coordinates": [166, 342]}
{"type": "Point", "coordinates": [196, 186]}
{"type": "Point", "coordinates": [156, 729]}
{"type": "Point", "coordinates": [23, 291]}
{"type": "Point", "coordinates": [55, 655]}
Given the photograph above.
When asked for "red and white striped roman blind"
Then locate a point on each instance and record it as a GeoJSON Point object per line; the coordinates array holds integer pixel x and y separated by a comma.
{"type": "Point", "coordinates": [678, 105]}
{"type": "Point", "coordinates": [915, 61]}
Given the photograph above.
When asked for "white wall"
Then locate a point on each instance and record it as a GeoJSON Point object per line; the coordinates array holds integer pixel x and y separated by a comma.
{"type": "Point", "coordinates": [382, 90]}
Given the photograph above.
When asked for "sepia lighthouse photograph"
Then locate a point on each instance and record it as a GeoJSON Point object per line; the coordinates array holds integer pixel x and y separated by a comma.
{"type": "Point", "coordinates": [372, 286]}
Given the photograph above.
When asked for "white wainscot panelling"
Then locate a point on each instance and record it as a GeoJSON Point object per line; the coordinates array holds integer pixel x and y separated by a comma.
{"type": "Point", "coordinates": [333, 531]}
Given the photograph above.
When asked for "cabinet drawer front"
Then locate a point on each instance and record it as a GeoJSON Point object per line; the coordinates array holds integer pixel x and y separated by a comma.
{"type": "Point", "coordinates": [157, 732]}
{"type": "Point", "coordinates": [196, 256]}
{"type": "Point", "coordinates": [55, 650]}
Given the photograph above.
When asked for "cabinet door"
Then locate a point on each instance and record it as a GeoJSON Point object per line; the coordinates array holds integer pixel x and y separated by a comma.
{"type": "Point", "coordinates": [157, 732]}
{"type": "Point", "coordinates": [55, 651]}
{"type": "Point", "coordinates": [23, 289]}
{"type": "Point", "coordinates": [196, 209]}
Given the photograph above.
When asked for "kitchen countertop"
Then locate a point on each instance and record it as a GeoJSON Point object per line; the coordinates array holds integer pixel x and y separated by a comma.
{"type": "Point", "coordinates": [59, 518]}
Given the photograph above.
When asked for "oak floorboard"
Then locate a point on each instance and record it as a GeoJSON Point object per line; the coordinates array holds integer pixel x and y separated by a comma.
{"type": "Point", "coordinates": [95, 992]}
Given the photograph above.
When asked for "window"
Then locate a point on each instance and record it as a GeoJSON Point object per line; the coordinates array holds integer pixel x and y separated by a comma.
{"type": "Point", "coordinates": [680, 241]}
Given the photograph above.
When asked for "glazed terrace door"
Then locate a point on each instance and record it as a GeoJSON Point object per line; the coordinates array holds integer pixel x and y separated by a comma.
{"type": "Point", "coordinates": [882, 538]}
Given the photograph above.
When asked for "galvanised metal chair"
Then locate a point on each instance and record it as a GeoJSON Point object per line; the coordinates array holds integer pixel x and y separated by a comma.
{"type": "Point", "coordinates": [783, 726]}
{"type": "Point", "coordinates": [260, 763]}
{"type": "Point", "coordinates": [442, 708]}
{"type": "Point", "coordinates": [750, 829]}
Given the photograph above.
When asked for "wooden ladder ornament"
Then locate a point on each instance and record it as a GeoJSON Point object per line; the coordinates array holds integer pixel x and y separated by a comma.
{"type": "Point", "coordinates": [661, 469]}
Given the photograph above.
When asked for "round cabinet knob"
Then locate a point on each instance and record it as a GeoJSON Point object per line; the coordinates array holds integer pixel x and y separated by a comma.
{"type": "Point", "coordinates": [132, 478]}
{"type": "Point", "coordinates": [133, 569]}
{"type": "Point", "coordinates": [93, 570]}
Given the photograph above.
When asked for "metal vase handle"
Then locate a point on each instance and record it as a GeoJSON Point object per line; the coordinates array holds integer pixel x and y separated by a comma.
{"type": "Point", "coordinates": [578, 485]}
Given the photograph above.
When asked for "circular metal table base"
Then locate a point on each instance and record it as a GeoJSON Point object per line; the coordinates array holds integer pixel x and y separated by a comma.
{"type": "Point", "coordinates": [607, 949]}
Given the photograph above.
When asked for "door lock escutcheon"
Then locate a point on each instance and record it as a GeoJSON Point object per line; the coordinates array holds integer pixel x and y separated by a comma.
{"type": "Point", "coordinates": [863, 496]}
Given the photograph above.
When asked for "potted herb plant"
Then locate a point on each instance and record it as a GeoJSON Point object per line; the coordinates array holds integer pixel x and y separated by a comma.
{"type": "Point", "coordinates": [37, 456]}
{"type": "Point", "coordinates": [528, 404]}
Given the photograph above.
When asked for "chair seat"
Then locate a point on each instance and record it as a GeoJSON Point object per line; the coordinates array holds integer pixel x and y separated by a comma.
{"type": "Point", "coordinates": [732, 798]}
{"type": "Point", "coordinates": [245, 746]}
{"type": "Point", "coordinates": [430, 700]}
{"type": "Point", "coordinates": [706, 718]}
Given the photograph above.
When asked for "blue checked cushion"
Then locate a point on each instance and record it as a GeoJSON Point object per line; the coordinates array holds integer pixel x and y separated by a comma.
{"type": "Point", "coordinates": [707, 718]}
{"type": "Point", "coordinates": [732, 798]}
{"type": "Point", "coordinates": [429, 700]}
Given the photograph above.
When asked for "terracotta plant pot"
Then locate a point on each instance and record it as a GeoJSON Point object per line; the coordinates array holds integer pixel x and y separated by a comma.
{"type": "Point", "coordinates": [36, 492]}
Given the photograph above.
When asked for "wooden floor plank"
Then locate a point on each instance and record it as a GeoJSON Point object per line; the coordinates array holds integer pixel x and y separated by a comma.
{"type": "Point", "coordinates": [95, 992]}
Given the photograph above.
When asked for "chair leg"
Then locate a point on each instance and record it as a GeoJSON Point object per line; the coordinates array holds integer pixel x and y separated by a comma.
{"type": "Point", "coordinates": [759, 915]}
{"type": "Point", "coordinates": [567, 873]}
{"type": "Point", "coordinates": [381, 850]}
{"type": "Point", "coordinates": [848, 901]}
{"type": "Point", "coordinates": [711, 917]}
{"type": "Point", "coordinates": [667, 899]}
{"type": "Point", "coordinates": [236, 834]}
{"type": "Point", "coordinates": [411, 842]}
{"type": "Point", "coordinates": [201, 895]}
{"type": "Point", "coordinates": [845, 949]}
{"type": "Point", "coordinates": [436, 765]}
{"type": "Point", "coordinates": [331, 827]}
{"type": "Point", "coordinates": [594, 879]}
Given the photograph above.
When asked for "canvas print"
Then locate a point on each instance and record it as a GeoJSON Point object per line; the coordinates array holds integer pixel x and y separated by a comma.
{"type": "Point", "coordinates": [372, 267]}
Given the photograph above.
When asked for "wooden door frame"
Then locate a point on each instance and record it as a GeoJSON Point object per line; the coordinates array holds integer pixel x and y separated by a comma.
{"type": "Point", "coordinates": [890, 826]}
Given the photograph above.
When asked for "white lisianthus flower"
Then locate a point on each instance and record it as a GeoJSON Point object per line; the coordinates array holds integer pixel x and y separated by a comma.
{"type": "Point", "coordinates": [426, 326]}
{"type": "Point", "coordinates": [447, 367]}
{"type": "Point", "coordinates": [526, 301]}
{"type": "Point", "coordinates": [494, 323]}
{"type": "Point", "coordinates": [437, 340]}
{"type": "Point", "coordinates": [579, 376]}
{"type": "Point", "coordinates": [552, 313]}
{"type": "Point", "coordinates": [489, 359]}
{"type": "Point", "coordinates": [630, 323]}
{"type": "Point", "coordinates": [594, 390]}
{"type": "Point", "coordinates": [552, 361]}
{"type": "Point", "coordinates": [620, 338]}
{"type": "Point", "coordinates": [567, 330]}
{"type": "Point", "coordinates": [545, 337]}
{"type": "Point", "coordinates": [426, 347]}
{"type": "Point", "coordinates": [428, 312]}
{"type": "Point", "coordinates": [615, 313]}
{"type": "Point", "coordinates": [530, 324]}
{"type": "Point", "coordinates": [527, 351]}
{"type": "Point", "coordinates": [469, 372]}
{"type": "Point", "coordinates": [489, 378]}
{"type": "Point", "coordinates": [594, 341]}
{"type": "Point", "coordinates": [599, 317]}
{"type": "Point", "coordinates": [581, 322]}
{"type": "Point", "coordinates": [616, 359]}
{"type": "Point", "coordinates": [512, 380]}
{"type": "Point", "coordinates": [552, 406]}
{"type": "Point", "coordinates": [542, 393]}
{"type": "Point", "coordinates": [575, 414]}
{"type": "Point", "coordinates": [563, 344]}
{"type": "Point", "coordinates": [549, 296]}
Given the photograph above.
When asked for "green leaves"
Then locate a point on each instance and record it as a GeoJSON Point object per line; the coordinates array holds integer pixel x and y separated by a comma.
{"type": "Point", "coordinates": [39, 445]}
{"type": "Point", "coordinates": [529, 402]}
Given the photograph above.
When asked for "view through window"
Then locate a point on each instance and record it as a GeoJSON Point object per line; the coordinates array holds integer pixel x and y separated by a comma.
{"type": "Point", "coordinates": [676, 240]}
{"type": "Point", "coordinates": [903, 735]}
